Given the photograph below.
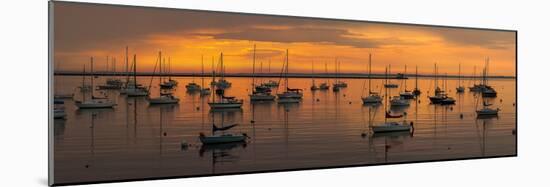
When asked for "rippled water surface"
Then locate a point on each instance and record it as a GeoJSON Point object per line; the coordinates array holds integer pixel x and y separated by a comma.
{"type": "Point", "coordinates": [136, 140]}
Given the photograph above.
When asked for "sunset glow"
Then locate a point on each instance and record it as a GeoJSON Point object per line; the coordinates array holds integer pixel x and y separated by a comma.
{"type": "Point", "coordinates": [185, 36]}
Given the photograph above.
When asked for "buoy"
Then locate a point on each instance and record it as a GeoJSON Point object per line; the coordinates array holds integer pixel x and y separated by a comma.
{"type": "Point", "coordinates": [461, 116]}
{"type": "Point", "coordinates": [405, 113]}
{"type": "Point", "coordinates": [448, 148]}
{"type": "Point", "coordinates": [363, 134]}
{"type": "Point", "coordinates": [501, 100]}
{"type": "Point", "coordinates": [164, 134]}
{"type": "Point", "coordinates": [87, 166]}
{"type": "Point", "coordinates": [514, 132]}
{"type": "Point", "coordinates": [350, 102]}
{"type": "Point", "coordinates": [451, 108]}
{"type": "Point", "coordinates": [344, 95]}
{"type": "Point", "coordinates": [252, 121]}
{"type": "Point", "coordinates": [198, 108]}
{"type": "Point", "coordinates": [419, 101]}
{"type": "Point", "coordinates": [269, 129]}
{"type": "Point", "coordinates": [513, 104]}
{"type": "Point", "coordinates": [317, 100]}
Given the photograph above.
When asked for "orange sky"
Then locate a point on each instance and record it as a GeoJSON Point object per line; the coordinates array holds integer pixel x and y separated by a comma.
{"type": "Point", "coordinates": [83, 30]}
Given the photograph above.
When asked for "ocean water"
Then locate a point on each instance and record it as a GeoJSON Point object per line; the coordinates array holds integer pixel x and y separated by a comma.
{"type": "Point", "coordinates": [137, 140]}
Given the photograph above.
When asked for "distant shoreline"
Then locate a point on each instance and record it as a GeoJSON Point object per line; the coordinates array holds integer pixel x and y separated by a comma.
{"type": "Point", "coordinates": [290, 75]}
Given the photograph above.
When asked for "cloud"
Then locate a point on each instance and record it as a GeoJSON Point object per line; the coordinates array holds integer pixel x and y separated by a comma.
{"type": "Point", "coordinates": [480, 38]}
{"type": "Point", "coordinates": [301, 35]}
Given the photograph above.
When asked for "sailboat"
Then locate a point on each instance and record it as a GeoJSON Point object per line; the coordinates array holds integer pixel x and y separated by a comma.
{"type": "Point", "coordinates": [337, 83]}
{"type": "Point", "coordinates": [270, 83]}
{"type": "Point", "coordinates": [389, 84]}
{"type": "Point", "coordinates": [204, 90]}
{"type": "Point", "coordinates": [406, 94]}
{"type": "Point", "coordinates": [391, 126]}
{"type": "Point", "coordinates": [84, 87]}
{"type": "Point", "coordinates": [111, 82]}
{"type": "Point", "coordinates": [486, 111]}
{"type": "Point", "coordinates": [373, 97]}
{"type": "Point", "coordinates": [222, 137]}
{"type": "Point", "coordinates": [439, 94]}
{"type": "Point", "coordinates": [290, 95]}
{"type": "Point", "coordinates": [171, 83]}
{"type": "Point", "coordinates": [313, 85]}
{"type": "Point", "coordinates": [396, 101]}
{"type": "Point", "coordinates": [324, 85]}
{"type": "Point", "coordinates": [221, 84]}
{"type": "Point", "coordinates": [94, 102]}
{"type": "Point", "coordinates": [164, 97]}
{"type": "Point", "coordinates": [476, 87]}
{"type": "Point", "coordinates": [488, 91]}
{"type": "Point", "coordinates": [224, 102]}
{"type": "Point", "coordinates": [416, 91]}
{"type": "Point", "coordinates": [460, 88]}
{"type": "Point", "coordinates": [447, 100]}
{"type": "Point", "coordinates": [192, 86]}
{"type": "Point", "coordinates": [259, 93]}
{"type": "Point", "coordinates": [133, 89]}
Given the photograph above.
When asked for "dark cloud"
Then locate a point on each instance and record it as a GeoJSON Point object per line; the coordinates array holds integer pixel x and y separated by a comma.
{"type": "Point", "coordinates": [81, 27]}
{"type": "Point", "coordinates": [481, 38]}
{"type": "Point", "coordinates": [297, 35]}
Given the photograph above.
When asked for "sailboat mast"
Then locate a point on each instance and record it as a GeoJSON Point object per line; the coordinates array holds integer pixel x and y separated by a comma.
{"type": "Point", "coordinates": [416, 79]}
{"type": "Point", "coordinates": [405, 74]}
{"type": "Point", "coordinates": [336, 69]}
{"type": "Point", "coordinates": [326, 73]}
{"type": "Point", "coordinates": [202, 71]}
{"type": "Point", "coordinates": [135, 78]}
{"type": "Point", "coordinates": [126, 57]}
{"type": "Point", "coordinates": [435, 76]}
{"type": "Point", "coordinates": [370, 72]}
{"type": "Point", "coordinates": [386, 98]}
{"type": "Point", "coordinates": [286, 70]}
{"type": "Point", "coordinates": [253, 68]}
{"type": "Point", "coordinates": [83, 80]}
{"type": "Point", "coordinates": [312, 80]}
{"type": "Point", "coordinates": [459, 67]}
{"type": "Point", "coordinates": [92, 75]}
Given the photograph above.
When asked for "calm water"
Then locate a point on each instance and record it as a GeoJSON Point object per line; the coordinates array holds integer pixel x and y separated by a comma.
{"type": "Point", "coordinates": [135, 140]}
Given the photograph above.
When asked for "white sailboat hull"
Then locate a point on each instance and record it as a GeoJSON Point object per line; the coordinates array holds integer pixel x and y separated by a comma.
{"type": "Point", "coordinates": [90, 104]}
{"type": "Point", "coordinates": [390, 127]}
{"type": "Point", "coordinates": [487, 112]}
{"type": "Point", "coordinates": [225, 105]}
{"type": "Point", "coordinates": [262, 97]}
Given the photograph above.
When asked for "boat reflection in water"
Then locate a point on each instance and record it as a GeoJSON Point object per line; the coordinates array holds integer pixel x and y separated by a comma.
{"type": "Point", "coordinates": [324, 129]}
